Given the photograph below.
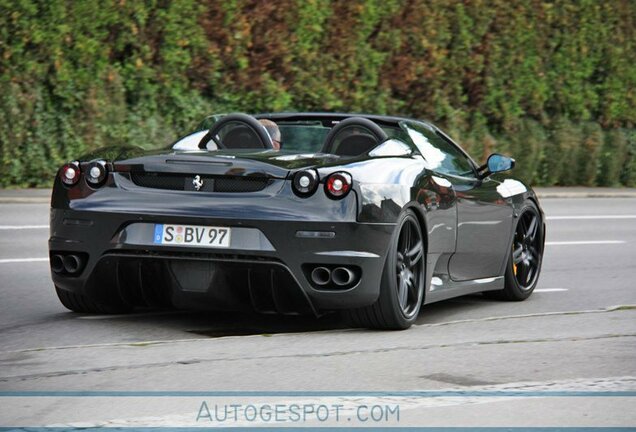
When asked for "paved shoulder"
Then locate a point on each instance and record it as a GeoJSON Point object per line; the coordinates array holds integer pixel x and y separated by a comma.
{"type": "Point", "coordinates": [18, 196]}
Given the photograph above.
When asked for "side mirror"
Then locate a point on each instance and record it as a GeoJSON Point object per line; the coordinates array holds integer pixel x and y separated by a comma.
{"type": "Point", "coordinates": [496, 163]}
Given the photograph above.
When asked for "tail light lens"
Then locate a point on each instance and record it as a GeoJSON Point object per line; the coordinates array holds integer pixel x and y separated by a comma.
{"type": "Point", "coordinates": [305, 183]}
{"type": "Point", "coordinates": [70, 173]}
{"type": "Point", "coordinates": [338, 185]}
{"type": "Point", "coordinates": [96, 173]}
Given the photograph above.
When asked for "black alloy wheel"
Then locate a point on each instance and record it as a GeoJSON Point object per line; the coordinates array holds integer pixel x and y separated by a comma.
{"type": "Point", "coordinates": [526, 256]}
{"type": "Point", "coordinates": [409, 268]}
{"type": "Point", "coordinates": [402, 285]}
{"type": "Point", "coordinates": [526, 249]}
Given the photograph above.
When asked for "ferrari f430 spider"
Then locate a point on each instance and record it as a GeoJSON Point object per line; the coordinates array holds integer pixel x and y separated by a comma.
{"type": "Point", "coordinates": [370, 215]}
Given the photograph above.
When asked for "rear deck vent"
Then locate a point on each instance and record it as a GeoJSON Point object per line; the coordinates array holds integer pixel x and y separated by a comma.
{"type": "Point", "coordinates": [183, 182]}
{"type": "Point", "coordinates": [155, 181]}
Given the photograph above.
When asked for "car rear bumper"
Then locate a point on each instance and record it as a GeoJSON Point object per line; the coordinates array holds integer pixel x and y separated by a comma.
{"type": "Point", "coordinates": [267, 266]}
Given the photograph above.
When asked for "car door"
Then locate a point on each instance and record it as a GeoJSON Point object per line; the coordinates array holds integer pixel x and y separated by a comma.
{"type": "Point", "coordinates": [484, 217]}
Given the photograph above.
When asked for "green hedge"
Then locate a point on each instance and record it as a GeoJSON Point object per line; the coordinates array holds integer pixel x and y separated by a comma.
{"type": "Point", "coordinates": [552, 83]}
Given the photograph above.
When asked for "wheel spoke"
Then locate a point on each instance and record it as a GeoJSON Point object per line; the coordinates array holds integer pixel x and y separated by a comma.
{"type": "Point", "coordinates": [532, 229]}
{"type": "Point", "coordinates": [528, 276]}
{"type": "Point", "coordinates": [522, 228]}
{"type": "Point", "coordinates": [534, 254]}
{"type": "Point", "coordinates": [411, 286]}
{"type": "Point", "coordinates": [402, 292]}
{"type": "Point", "coordinates": [517, 255]}
{"type": "Point", "coordinates": [522, 269]}
{"type": "Point", "coordinates": [407, 235]}
{"type": "Point", "coordinates": [415, 253]}
{"type": "Point", "coordinates": [399, 260]}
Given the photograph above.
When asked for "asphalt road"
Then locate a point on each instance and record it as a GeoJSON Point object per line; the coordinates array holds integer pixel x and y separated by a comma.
{"type": "Point", "coordinates": [568, 335]}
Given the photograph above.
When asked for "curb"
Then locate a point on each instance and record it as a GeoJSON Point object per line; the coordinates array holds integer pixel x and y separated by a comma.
{"type": "Point", "coordinates": [573, 192]}
{"type": "Point", "coordinates": [565, 195]}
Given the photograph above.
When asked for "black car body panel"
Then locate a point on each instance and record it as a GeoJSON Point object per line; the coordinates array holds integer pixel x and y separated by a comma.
{"type": "Point", "coordinates": [277, 236]}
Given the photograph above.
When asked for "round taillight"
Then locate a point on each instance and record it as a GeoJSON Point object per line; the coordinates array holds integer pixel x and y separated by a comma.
{"type": "Point", "coordinates": [70, 173]}
{"type": "Point", "coordinates": [305, 183]}
{"type": "Point", "coordinates": [338, 185]}
{"type": "Point", "coordinates": [96, 173]}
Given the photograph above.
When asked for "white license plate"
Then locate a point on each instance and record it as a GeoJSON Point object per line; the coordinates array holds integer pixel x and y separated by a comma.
{"type": "Point", "coordinates": [192, 235]}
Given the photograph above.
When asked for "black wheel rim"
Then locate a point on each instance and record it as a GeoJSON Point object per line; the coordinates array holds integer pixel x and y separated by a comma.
{"type": "Point", "coordinates": [409, 268]}
{"type": "Point", "coordinates": [526, 249]}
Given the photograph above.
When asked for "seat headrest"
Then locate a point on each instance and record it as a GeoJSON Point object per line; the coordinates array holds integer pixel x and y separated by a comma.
{"type": "Point", "coordinates": [353, 137]}
{"type": "Point", "coordinates": [241, 137]}
{"type": "Point", "coordinates": [355, 145]}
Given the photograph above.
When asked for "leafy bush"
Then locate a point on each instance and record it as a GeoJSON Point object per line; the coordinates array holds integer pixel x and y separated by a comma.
{"type": "Point", "coordinates": [628, 173]}
{"type": "Point", "coordinates": [613, 158]}
{"type": "Point", "coordinates": [549, 82]}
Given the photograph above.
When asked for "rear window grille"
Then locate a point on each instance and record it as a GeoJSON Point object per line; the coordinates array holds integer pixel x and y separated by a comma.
{"type": "Point", "coordinates": [150, 180]}
{"type": "Point", "coordinates": [210, 183]}
{"type": "Point", "coordinates": [228, 184]}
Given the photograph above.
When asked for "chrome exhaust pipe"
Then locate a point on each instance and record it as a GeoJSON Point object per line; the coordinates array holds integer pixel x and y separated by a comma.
{"type": "Point", "coordinates": [72, 263]}
{"type": "Point", "coordinates": [321, 275]}
{"type": "Point", "coordinates": [57, 263]}
{"type": "Point", "coordinates": [342, 276]}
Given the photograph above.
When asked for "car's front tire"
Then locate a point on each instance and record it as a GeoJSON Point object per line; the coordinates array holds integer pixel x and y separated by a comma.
{"type": "Point", "coordinates": [402, 286]}
{"type": "Point", "coordinates": [525, 258]}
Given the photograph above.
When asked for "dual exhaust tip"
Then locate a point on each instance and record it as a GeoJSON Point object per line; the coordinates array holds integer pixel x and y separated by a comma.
{"type": "Point", "coordinates": [71, 263]}
{"type": "Point", "coordinates": [339, 276]}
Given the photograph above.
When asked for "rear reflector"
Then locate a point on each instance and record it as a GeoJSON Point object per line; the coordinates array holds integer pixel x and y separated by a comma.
{"type": "Point", "coordinates": [70, 174]}
{"type": "Point", "coordinates": [338, 185]}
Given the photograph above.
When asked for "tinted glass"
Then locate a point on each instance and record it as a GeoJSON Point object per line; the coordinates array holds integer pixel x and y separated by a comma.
{"type": "Point", "coordinates": [441, 155]}
{"type": "Point", "coordinates": [302, 137]}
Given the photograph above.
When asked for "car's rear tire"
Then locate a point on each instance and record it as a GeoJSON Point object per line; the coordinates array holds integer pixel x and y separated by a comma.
{"type": "Point", "coordinates": [525, 257]}
{"type": "Point", "coordinates": [402, 285]}
{"type": "Point", "coordinates": [83, 304]}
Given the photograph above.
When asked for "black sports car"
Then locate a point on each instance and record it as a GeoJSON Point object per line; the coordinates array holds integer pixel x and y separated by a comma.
{"type": "Point", "coordinates": [372, 215]}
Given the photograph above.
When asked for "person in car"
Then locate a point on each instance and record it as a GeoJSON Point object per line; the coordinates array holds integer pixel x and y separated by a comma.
{"type": "Point", "coordinates": [273, 131]}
